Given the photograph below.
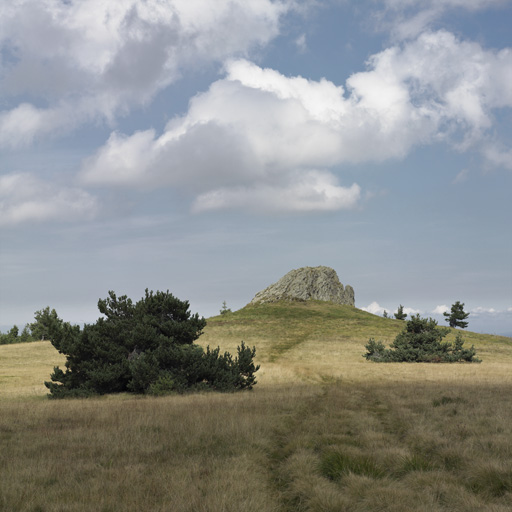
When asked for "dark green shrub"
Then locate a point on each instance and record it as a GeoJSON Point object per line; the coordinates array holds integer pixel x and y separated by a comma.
{"type": "Point", "coordinates": [163, 385]}
{"type": "Point", "coordinates": [145, 347]}
{"type": "Point", "coordinates": [421, 342]}
{"type": "Point", "coordinates": [376, 351]}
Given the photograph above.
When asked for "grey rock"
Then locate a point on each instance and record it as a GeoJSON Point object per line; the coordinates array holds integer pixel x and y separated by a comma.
{"type": "Point", "coordinates": [317, 283]}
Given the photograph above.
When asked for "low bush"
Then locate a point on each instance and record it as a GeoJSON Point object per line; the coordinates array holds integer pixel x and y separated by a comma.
{"type": "Point", "coordinates": [421, 342]}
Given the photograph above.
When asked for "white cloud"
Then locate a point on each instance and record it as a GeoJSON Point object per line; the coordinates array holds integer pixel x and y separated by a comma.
{"type": "Point", "coordinates": [96, 59]}
{"type": "Point", "coordinates": [374, 308]}
{"type": "Point", "coordinates": [438, 88]}
{"type": "Point", "coordinates": [439, 310]}
{"type": "Point", "coordinates": [255, 140]}
{"type": "Point", "coordinates": [257, 136]}
{"type": "Point", "coordinates": [312, 191]}
{"type": "Point", "coordinates": [26, 198]}
{"type": "Point", "coordinates": [411, 311]}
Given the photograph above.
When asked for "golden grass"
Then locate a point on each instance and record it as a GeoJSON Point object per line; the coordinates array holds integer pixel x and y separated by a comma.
{"type": "Point", "coordinates": [24, 367]}
{"type": "Point", "coordinates": [324, 430]}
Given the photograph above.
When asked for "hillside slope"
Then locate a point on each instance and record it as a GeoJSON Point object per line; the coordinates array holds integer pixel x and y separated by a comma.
{"type": "Point", "coordinates": [306, 341]}
{"type": "Point", "coordinates": [319, 340]}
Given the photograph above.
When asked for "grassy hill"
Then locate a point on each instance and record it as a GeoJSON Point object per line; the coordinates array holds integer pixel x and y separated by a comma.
{"type": "Point", "coordinates": [318, 340]}
{"type": "Point", "coordinates": [324, 429]}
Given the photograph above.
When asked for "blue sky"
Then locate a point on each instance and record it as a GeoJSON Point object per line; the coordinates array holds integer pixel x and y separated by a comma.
{"type": "Point", "coordinates": [210, 147]}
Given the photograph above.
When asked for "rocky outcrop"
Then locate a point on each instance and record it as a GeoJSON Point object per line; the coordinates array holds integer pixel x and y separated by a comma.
{"type": "Point", "coordinates": [317, 283]}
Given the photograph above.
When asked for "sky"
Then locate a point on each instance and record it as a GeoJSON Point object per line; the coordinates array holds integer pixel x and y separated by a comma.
{"type": "Point", "coordinates": [209, 147]}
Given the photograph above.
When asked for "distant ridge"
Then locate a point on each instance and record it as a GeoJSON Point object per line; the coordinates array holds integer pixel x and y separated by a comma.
{"type": "Point", "coordinates": [308, 283]}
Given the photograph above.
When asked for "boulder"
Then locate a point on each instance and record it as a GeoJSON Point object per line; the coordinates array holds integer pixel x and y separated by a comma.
{"type": "Point", "coordinates": [317, 283]}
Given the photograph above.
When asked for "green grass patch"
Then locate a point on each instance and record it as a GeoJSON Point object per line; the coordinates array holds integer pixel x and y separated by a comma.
{"type": "Point", "coordinates": [491, 481]}
{"type": "Point", "coordinates": [335, 465]}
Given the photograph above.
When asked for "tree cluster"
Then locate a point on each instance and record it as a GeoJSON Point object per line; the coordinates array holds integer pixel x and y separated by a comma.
{"type": "Point", "coordinates": [421, 341]}
{"type": "Point", "coordinates": [15, 336]}
{"type": "Point", "coordinates": [45, 321]}
{"type": "Point", "coordinates": [144, 347]}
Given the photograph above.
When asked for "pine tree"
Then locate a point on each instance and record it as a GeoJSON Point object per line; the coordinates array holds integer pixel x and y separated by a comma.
{"type": "Point", "coordinates": [47, 324]}
{"type": "Point", "coordinates": [457, 316]}
{"type": "Point", "coordinates": [144, 347]}
{"type": "Point", "coordinates": [225, 309]}
{"type": "Point", "coordinates": [400, 315]}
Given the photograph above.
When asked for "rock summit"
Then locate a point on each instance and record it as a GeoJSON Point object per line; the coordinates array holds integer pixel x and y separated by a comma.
{"type": "Point", "coordinates": [317, 283]}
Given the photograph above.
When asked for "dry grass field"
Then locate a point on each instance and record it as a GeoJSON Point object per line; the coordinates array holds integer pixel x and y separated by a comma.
{"type": "Point", "coordinates": [323, 430]}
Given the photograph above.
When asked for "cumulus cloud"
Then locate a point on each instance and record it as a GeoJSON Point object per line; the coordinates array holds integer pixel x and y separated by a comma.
{"type": "Point", "coordinates": [257, 137]}
{"type": "Point", "coordinates": [255, 140]}
{"type": "Point", "coordinates": [439, 310]}
{"type": "Point", "coordinates": [441, 83]}
{"type": "Point", "coordinates": [311, 191]}
{"type": "Point", "coordinates": [24, 198]}
{"type": "Point", "coordinates": [64, 63]}
{"type": "Point", "coordinates": [411, 311]}
{"type": "Point", "coordinates": [374, 308]}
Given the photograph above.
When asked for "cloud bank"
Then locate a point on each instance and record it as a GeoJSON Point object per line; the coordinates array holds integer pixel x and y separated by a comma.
{"type": "Point", "coordinates": [256, 139]}
{"type": "Point", "coordinates": [260, 140]}
{"type": "Point", "coordinates": [66, 63]}
{"type": "Point", "coordinates": [24, 198]}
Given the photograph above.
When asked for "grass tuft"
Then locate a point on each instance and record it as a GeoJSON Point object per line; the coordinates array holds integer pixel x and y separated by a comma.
{"type": "Point", "coordinates": [335, 465]}
{"type": "Point", "coordinates": [491, 480]}
{"type": "Point", "coordinates": [415, 462]}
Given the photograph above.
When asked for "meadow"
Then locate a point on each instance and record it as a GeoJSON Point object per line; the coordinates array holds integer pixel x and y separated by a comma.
{"type": "Point", "coordinates": [323, 430]}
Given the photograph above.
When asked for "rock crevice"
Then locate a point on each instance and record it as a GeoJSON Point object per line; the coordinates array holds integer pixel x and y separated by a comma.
{"type": "Point", "coordinates": [316, 283]}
